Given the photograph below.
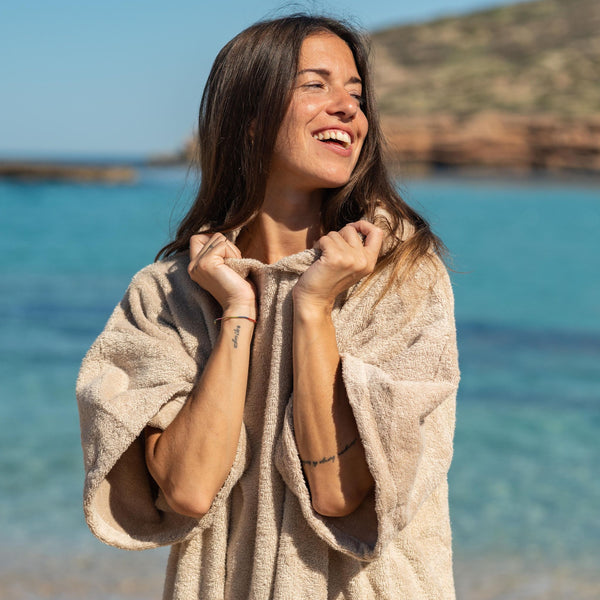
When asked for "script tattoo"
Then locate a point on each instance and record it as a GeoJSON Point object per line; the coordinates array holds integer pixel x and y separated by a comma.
{"type": "Point", "coordinates": [347, 446]}
{"type": "Point", "coordinates": [314, 463]}
{"type": "Point", "coordinates": [236, 332]}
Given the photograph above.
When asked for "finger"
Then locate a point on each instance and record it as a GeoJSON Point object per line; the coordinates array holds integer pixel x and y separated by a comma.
{"type": "Point", "coordinates": [233, 248]}
{"type": "Point", "coordinates": [351, 236]}
{"type": "Point", "coordinates": [373, 235]}
{"type": "Point", "coordinates": [323, 242]}
{"type": "Point", "coordinates": [209, 248]}
{"type": "Point", "coordinates": [216, 240]}
{"type": "Point", "coordinates": [197, 242]}
{"type": "Point", "coordinates": [230, 250]}
{"type": "Point", "coordinates": [332, 242]}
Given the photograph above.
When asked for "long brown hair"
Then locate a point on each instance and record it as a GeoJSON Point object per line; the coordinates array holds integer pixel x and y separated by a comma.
{"type": "Point", "coordinates": [243, 105]}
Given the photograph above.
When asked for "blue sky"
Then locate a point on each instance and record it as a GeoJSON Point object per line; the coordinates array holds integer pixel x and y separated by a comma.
{"type": "Point", "coordinates": [124, 77]}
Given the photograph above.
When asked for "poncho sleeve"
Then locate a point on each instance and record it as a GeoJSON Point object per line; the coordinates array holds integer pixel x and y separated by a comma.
{"type": "Point", "coordinates": [400, 371]}
{"type": "Point", "coordinates": [140, 370]}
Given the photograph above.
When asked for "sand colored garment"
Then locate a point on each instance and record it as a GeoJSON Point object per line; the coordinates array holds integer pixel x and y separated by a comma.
{"type": "Point", "coordinates": [261, 538]}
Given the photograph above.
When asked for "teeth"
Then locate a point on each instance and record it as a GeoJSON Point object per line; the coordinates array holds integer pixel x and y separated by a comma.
{"type": "Point", "coordinates": [334, 134]}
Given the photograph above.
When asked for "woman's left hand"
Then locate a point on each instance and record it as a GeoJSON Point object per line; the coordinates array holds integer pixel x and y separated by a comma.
{"type": "Point", "coordinates": [346, 257]}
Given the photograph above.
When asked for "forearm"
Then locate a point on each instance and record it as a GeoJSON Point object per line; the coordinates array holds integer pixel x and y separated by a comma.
{"type": "Point", "coordinates": [326, 434]}
{"type": "Point", "coordinates": [191, 459]}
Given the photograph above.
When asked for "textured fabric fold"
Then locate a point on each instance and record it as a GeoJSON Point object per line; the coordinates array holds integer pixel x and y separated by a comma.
{"type": "Point", "coordinates": [261, 537]}
{"type": "Point", "coordinates": [138, 371]}
{"type": "Point", "coordinates": [402, 391]}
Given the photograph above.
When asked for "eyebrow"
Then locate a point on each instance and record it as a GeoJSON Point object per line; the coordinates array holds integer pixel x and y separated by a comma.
{"type": "Point", "coordinates": [327, 73]}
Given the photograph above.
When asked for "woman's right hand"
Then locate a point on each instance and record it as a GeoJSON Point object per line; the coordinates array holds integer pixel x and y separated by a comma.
{"type": "Point", "coordinates": [191, 459]}
{"type": "Point", "coordinates": [208, 269]}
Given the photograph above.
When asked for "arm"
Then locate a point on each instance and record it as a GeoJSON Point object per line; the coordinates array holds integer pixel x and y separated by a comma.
{"type": "Point", "coordinates": [192, 457]}
{"type": "Point", "coordinates": [400, 374]}
{"type": "Point", "coordinates": [330, 449]}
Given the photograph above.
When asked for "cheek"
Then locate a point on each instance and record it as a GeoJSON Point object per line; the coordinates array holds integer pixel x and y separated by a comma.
{"type": "Point", "coordinates": [364, 125]}
{"type": "Point", "coordinates": [287, 127]}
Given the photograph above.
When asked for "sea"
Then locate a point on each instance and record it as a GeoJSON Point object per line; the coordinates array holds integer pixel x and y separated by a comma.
{"type": "Point", "coordinates": [525, 480]}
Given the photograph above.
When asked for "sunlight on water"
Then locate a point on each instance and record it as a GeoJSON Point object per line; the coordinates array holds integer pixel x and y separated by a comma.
{"type": "Point", "coordinates": [527, 259]}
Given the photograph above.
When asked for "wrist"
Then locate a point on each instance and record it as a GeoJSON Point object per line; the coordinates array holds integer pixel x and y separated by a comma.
{"type": "Point", "coordinates": [312, 310]}
{"type": "Point", "coordinates": [239, 310]}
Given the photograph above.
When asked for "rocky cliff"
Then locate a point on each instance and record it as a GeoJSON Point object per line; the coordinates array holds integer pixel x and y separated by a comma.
{"type": "Point", "coordinates": [53, 171]}
{"type": "Point", "coordinates": [514, 87]}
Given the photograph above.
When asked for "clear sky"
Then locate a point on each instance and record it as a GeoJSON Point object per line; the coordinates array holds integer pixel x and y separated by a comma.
{"type": "Point", "coordinates": [124, 77]}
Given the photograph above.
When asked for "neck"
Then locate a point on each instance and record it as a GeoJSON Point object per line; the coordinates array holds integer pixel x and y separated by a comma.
{"type": "Point", "coordinates": [287, 223]}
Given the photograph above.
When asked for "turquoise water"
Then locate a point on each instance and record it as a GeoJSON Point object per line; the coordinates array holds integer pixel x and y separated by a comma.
{"type": "Point", "coordinates": [527, 283]}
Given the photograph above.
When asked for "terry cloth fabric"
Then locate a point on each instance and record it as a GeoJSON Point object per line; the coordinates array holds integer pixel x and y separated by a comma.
{"type": "Point", "coordinates": [261, 539]}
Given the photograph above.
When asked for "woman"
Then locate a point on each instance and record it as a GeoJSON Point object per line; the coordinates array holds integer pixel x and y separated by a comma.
{"type": "Point", "coordinates": [275, 396]}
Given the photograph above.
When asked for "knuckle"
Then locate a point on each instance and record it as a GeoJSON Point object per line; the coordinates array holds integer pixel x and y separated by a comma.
{"type": "Point", "coordinates": [193, 273]}
{"type": "Point", "coordinates": [199, 238]}
{"type": "Point", "coordinates": [363, 264]}
{"type": "Point", "coordinates": [202, 262]}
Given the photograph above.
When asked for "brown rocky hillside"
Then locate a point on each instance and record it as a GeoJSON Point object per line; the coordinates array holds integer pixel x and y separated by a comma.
{"type": "Point", "coordinates": [514, 87]}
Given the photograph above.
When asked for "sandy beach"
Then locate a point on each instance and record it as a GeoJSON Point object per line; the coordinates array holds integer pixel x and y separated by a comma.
{"type": "Point", "coordinates": [523, 484]}
{"type": "Point", "coordinates": [109, 574]}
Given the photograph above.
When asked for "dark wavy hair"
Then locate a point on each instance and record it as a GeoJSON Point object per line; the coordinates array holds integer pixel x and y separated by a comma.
{"type": "Point", "coordinates": [243, 105]}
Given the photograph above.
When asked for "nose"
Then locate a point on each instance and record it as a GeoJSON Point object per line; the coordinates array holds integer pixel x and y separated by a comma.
{"type": "Point", "coordinates": [343, 103]}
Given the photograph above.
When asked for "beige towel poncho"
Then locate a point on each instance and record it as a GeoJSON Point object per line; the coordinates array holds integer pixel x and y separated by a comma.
{"type": "Point", "coordinates": [261, 538]}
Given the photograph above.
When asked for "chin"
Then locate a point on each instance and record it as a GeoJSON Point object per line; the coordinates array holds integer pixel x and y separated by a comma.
{"type": "Point", "coordinates": [335, 180]}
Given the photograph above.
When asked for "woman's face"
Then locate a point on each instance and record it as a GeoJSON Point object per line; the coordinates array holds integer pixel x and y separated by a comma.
{"type": "Point", "coordinates": [324, 128]}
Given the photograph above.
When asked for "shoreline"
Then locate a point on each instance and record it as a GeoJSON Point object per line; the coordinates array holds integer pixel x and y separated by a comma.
{"type": "Point", "coordinates": [486, 145]}
{"type": "Point", "coordinates": [101, 572]}
{"type": "Point", "coordinates": [40, 171]}
{"type": "Point", "coordinates": [401, 170]}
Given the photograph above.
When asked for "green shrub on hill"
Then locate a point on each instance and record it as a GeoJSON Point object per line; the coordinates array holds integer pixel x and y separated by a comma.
{"type": "Point", "coordinates": [533, 58]}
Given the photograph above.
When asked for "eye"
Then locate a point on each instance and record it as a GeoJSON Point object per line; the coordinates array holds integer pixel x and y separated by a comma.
{"type": "Point", "coordinates": [360, 99]}
{"type": "Point", "coordinates": [314, 84]}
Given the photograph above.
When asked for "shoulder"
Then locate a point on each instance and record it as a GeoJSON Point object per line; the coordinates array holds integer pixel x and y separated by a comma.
{"type": "Point", "coordinates": [161, 269]}
{"type": "Point", "coordinates": [164, 275]}
{"type": "Point", "coordinates": [424, 296]}
{"type": "Point", "coordinates": [414, 260]}
{"type": "Point", "coordinates": [159, 291]}
{"type": "Point", "coordinates": [432, 274]}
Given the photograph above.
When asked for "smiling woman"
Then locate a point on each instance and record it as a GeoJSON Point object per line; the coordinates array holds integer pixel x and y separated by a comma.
{"type": "Point", "coordinates": [324, 128]}
{"type": "Point", "coordinates": [274, 397]}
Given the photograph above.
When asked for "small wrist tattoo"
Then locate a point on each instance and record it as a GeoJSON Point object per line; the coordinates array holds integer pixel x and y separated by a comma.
{"type": "Point", "coordinates": [236, 335]}
{"type": "Point", "coordinates": [326, 459]}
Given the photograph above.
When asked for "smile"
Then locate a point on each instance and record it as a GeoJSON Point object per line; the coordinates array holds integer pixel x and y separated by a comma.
{"type": "Point", "coordinates": [334, 136]}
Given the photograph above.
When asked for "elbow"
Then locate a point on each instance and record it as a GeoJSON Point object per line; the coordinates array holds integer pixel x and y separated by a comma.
{"type": "Point", "coordinates": [328, 508]}
{"type": "Point", "coordinates": [338, 505]}
{"type": "Point", "coordinates": [182, 498]}
{"type": "Point", "coordinates": [331, 509]}
{"type": "Point", "coordinates": [189, 503]}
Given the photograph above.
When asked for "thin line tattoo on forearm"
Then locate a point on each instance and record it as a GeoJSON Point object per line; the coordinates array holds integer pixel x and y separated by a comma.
{"type": "Point", "coordinates": [326, 459]}
{"type": "Point", "coordinates": [236, 333]}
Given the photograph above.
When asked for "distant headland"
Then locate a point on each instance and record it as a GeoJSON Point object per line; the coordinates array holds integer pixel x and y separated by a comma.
{"type": "Point", "coordinates": [509, 88]}
{"type": "Point", "coordinates": [514, 87]}
{"type": "Point", "coordinates": [66, 171]}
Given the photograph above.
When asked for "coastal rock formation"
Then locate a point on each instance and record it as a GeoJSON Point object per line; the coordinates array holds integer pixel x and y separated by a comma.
{"type": "Point", "coordinates": [511, 87]}
{"type": "Point", "coordinates": [34, 171]}
{"type": "Point", "coordinates": [496, 140]}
